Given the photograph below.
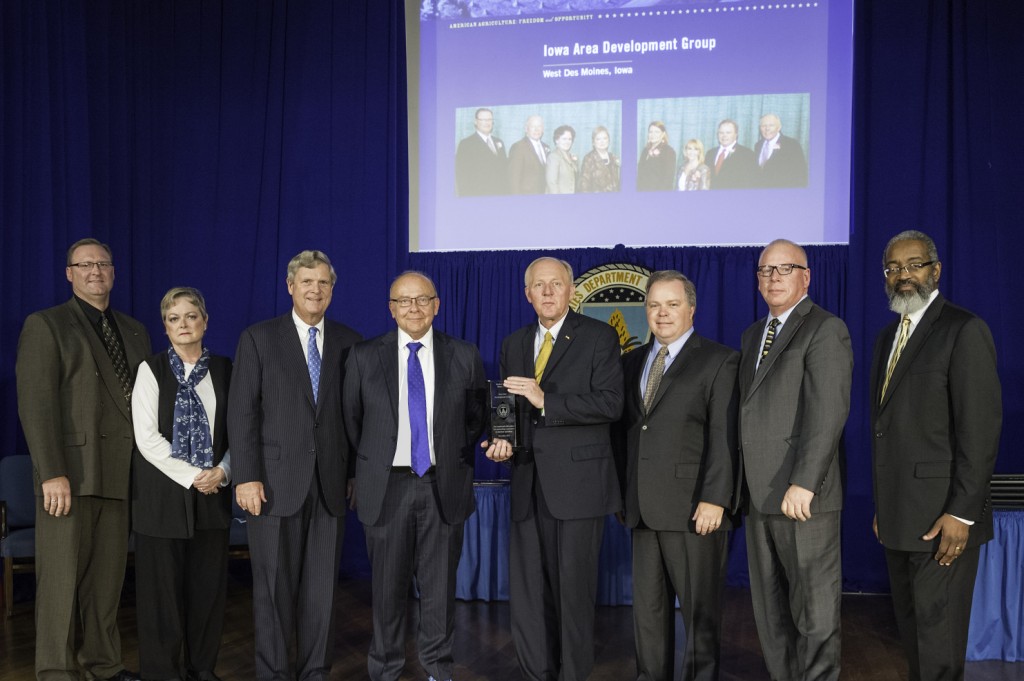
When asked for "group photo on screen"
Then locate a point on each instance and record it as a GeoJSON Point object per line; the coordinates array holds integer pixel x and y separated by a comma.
{"type": "Point", "coordinates": [732, 142]}
{"type": "Point", "coordinates": [559, 148]}
{"type": "Point", "coordinates": [683, 144]}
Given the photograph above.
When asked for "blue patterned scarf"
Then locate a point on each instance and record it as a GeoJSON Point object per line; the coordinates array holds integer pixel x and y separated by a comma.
{"type": "Point", "coordinates": [190, 437]}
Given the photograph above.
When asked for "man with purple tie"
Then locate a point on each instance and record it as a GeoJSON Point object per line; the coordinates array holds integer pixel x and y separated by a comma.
{"type": "Point", "coordinates": [414, 412]}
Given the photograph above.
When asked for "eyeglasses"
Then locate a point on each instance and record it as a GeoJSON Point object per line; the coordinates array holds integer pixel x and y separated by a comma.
{"type": "Point", "coordinates": [102, 266]}
{"type": "Point", "coordinates": [912, 268]}
{"type": "Point", "coordinates": [783, 269]}
{"type": "Point", "coordinates": [421, 301]}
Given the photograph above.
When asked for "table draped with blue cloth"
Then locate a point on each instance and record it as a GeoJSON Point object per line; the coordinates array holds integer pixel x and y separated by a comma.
{"type": "Point", "coordinates": [997, 615]}
{"type": "Point", "coordinates": [997, 618]}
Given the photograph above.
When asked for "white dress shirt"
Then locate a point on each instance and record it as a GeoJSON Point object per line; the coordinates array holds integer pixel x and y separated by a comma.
{"type": "Point", "coordinates": [674, 348]}
{"type": "Point", "coordinates": [403, 446]}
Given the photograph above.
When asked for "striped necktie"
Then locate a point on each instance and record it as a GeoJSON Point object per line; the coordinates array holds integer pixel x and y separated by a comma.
{"type": "Point", "coordinates": [901, 343]}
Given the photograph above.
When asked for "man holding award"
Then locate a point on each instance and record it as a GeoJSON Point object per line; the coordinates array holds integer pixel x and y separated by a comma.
{"type": "Point", "coordinates": [565, 373]}
{"type": "Point", "coordinates": [413, 401]}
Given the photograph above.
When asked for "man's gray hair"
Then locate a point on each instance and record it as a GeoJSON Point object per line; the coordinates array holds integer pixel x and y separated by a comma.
{"type": "Point", "coordinates": [310, 260]}
{"type": "Point", "coordinates": [564, 264]}
{"type": "Point", "coordinates": [913, 235]}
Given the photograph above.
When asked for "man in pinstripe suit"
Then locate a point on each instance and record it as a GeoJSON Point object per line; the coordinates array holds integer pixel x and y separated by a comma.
{"type": "Point", "coordinates": [414, 411]}
{"type": "Point", "coordinates": [290, 459]}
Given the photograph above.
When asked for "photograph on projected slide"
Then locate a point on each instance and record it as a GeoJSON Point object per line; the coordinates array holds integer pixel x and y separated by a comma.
{"type": "Point", "coordinates": [555, 148]}
{"type": "Point", "coordinates": [731, 142]}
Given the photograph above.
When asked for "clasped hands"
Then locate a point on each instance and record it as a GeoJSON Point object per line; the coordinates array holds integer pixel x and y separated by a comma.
{"type": "Point", "coordinates": [209, 480]}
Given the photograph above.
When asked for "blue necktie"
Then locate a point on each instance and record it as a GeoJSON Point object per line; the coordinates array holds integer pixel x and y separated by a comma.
{"type": "Point", "coordinates": [314, 362]}
{"type": "Point", "coordinates": [418, 413]}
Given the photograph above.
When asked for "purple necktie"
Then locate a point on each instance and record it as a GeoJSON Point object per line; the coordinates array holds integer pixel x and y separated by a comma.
{"type": "Point", "coordinates": [418, 413]}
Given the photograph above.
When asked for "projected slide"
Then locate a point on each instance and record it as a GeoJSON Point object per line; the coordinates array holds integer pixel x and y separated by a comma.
{"type": "Point", "coordinates": [670, 123]}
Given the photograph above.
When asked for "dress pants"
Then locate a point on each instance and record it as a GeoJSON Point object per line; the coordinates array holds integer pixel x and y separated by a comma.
{"type": "Point", "coordinates": [294, 573]}
{"type": "Point", "coordinates": [80, 562]}
{"type": "Point", "coordinates": [796, 585]}
{"type": "Point", "coordinates": [180, 587]}
{"type": "Point", "coordinates": [553, 591]}
{"type": "Point", "coordinates": [692, 567]}
{"type": "Point", "coordinates": [933, 610]}
{"type": "Point", "coordinates": [411, 540]}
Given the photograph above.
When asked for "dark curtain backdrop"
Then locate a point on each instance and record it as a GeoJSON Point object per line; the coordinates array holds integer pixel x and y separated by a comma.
{"type": "Point", "coordinates": [208, 142]}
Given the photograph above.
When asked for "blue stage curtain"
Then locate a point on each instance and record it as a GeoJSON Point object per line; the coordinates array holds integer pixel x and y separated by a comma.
{"type": "Point", "coordinates": [210, 141]}
{"type": "Point", "coordinates": [997, 614]}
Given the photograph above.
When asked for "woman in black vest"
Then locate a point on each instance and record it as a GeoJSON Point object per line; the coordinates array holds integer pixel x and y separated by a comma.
{"type": "Point", "coordinates": [181, 500]}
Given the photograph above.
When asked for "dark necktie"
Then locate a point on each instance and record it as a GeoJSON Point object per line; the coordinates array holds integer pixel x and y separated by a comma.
{"type": "Point", "coordinates": [901, 343]}
{"type": "Point", "coordinates": [654, 378]}
{"type": "Point", "coordinates": [769, 337]}
{"type": "Point", "coordinates": [117, 357]}
{"type": "Point", "coordinates": [314, 362]}
{"type": "Point", "coordinates": [420, 458]}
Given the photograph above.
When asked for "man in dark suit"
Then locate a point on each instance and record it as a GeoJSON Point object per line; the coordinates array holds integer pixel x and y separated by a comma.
{"type": "Point", "coordinates": [679, 468]}
{"type": "Point", "coordinates": [732, 164]}
{"type": "Point", "coordinates": [936, 412]}
{"type": "Point", "coordinates": [567, 376]}
{"type": "Point", "coordinates": [780, 159]}
{"type": "Point", "coordinates": [75, 370]}
{"type": "Point", "coordinates": [527, 160]}
{"type": "Point", "coordinates": [290, 459]}
{"type": "Point", "coordinates": [795, 375]}
{"type": "Point", "coordinates": [480, 162]}
{"type": "Point", "coordinates": [414, 412]}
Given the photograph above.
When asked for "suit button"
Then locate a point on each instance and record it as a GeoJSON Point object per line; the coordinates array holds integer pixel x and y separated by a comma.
{"type": "Point", "coordinates": [535, 422]}
{"type": "Point", "coordinates": [879, 434]}
{"type": "Point", "coordinates": [644, 427]}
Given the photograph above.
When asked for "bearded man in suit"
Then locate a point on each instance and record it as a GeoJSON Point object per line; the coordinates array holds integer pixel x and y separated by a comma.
{"type": "Point", "coordinates": [75, 369]}
{"type": "Point", "coordinates": [796, 369]}
{"type": "Point", "coordinates": [290, 458]}
{"type": "Point", "coordinates": [567, 378]}
{"type": "Point", "coordinates": [414, 412]}
{"type": "Point", "coordinates": [936, 412]}
{"type": "Point", "coordinates": [678, 466]}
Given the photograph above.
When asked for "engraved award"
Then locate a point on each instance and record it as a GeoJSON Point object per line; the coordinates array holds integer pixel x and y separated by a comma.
{"type": "Point", "coordinates": [503, 414]}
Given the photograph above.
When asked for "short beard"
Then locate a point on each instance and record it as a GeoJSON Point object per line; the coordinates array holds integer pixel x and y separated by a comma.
{"type": "Point", "coordinates": [911, 301]}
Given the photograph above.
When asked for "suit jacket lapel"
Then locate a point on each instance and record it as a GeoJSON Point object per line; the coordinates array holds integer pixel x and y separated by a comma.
{"type": "Point", "coordinates": [101, 358]}
{"type": "Point", "coordinates": [677, 368]}
{"type": "Point", "coordinates": [914, 344]}
{"type": "Point", "coordinates": [782, 340]}
{"type": "Point", "coordinates": [387, 354]}
{"type": "Point", "coordinates": [295, 357]}
{"type": "Point", "coordinates": [442, 361]}
{"type": "Point", "coordinates": [565, 337]}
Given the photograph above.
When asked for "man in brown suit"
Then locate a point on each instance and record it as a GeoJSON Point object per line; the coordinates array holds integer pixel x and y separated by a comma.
{"type": "Point", "coordinates": [75, 369]}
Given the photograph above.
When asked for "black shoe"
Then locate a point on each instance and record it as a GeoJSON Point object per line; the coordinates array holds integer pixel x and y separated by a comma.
{"type": "Point", "coordinates": [125, 675]}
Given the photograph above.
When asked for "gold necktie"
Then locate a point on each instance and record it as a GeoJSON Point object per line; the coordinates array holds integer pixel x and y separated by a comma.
{"type": "Point", "coordinates": [542, 356]}
{"type": "Point", "coordinates": [900, 344]}
{"type": "Point", "coordinates": [654, 378]}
